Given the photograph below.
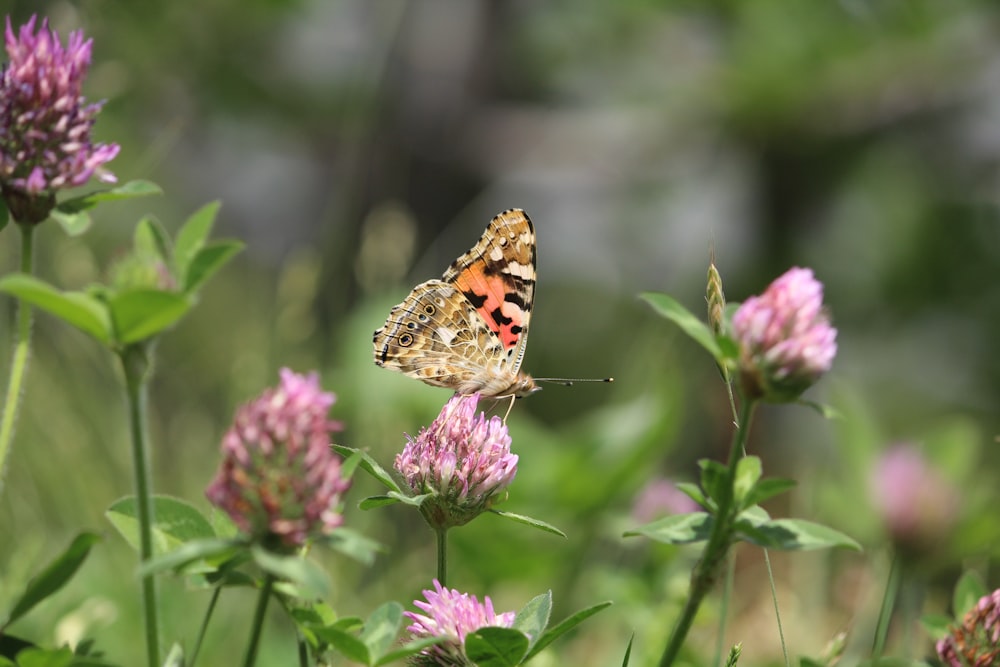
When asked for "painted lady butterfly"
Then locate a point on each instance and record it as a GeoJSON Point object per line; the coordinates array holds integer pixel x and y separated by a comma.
{"type": "Point", "coordinates": [468, 331]}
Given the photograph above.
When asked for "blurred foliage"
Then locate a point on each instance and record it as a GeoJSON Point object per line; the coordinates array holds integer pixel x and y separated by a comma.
{"type": "Point", "coordinates": [359, 146]}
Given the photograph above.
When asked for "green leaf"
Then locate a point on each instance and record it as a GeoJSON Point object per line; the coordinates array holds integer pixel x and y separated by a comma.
{"type": "Point", "coordinates": [80, 310]}
{"type": "Point", "coordinates": [968, 590]}
{"type": "Point", "coordinates": [381, 628]}
{"type": "Point", "coordinates": [768, 488]}
{"type": "Point", "coordinates": [415, 501]}
{"type": "Point", "coordinates": [345, 643]}
{"type": "Point", "coordinates": [179, 559]}
{"type": "Point", "coordinates": [295, 569]}
{"type": "Point", "coordinates": [411, 648]}
{"type": "Point", "coordinates": [350, 465]}
{"type": "Point", "coordinates": [730, 348]}
{"type": "Point", "coordinates": [53, 577]}
{"type": "Point", "coordinates": [74, 223]}
{"type": "Point", "coordinates": [175, 657]}
{"type": "Point", "coordinates": [151, 238]}
{"type": "Point", "coordinates": [191, 237]}
{"type": "Point", "coordinates": [371, 502]}
{"type": "Point", "coordinates": [40, 657]}
{"type": "Point", "coordinates": [354, 545]}
{"type": "Point", "coordinates": [565, 626]}
{"type": "Point", "coordinates": [534, 616]}
{"type": "Point", "coordinates": [713, 478]}
{"type": "Point", "coordinates": [755, 515]}
{"type": "Point", "coordinates": [175, 522]}
{"type": "Point", "coordinates": [371, 466]}
{"type": "Point", "coordinates": [694, 493]}
{"type": "Point", "coordinates": [10, 646]}
{"type": "Point", "coordinates": [748, 471]}
{"type": "Point", "coordinates": [207, 262]}
{"type": "Point", "coordinates": [677, 529]}
{"type": "Point", "coordinates": [794, 535]}
{"type": "Point", "coordinates": [143, 313]}
{"type": "Point", "coordinates": [130, 190]}
{"type": "Point", "coordinates": [316, 614]}
{"type": "Point", "coordinates": [671, 309]}
{"type": "Point", "coordinates": [496, 647]}
{"type": "Point", "coordinates": [529, 521]}
{"type": "Point", "coordinates": [628, 650]}
{"type": "Point", "coordinates": [936, 625]}
{"type": "Point", "coordinates": [827, 411]}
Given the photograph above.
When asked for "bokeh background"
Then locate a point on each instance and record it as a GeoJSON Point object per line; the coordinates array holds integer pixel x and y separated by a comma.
{"type": "Point", "coordinates": [358, 147]}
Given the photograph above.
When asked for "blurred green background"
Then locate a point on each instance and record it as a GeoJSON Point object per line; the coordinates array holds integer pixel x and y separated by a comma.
{"type": "Point", "coordinates": [358, 147]}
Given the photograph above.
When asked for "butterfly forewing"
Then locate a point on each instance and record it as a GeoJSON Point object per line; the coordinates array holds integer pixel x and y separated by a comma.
{"type": "Point", "coordinates": [468, 331]}
{"type": "Point", "coordinates": [498, 277]}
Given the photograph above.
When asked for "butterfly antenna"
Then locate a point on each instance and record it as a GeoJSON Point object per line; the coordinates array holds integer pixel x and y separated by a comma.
{"type": "Point", "coordinates": [569, 382]}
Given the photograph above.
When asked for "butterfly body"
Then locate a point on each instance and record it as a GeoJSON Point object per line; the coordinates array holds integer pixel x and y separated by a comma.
{"type": "Point", "coordinates": [468, 330]}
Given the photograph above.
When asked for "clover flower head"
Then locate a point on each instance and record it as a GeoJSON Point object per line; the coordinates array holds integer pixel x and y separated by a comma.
{"type": "Point", "coordinates": [785, 338]}
{"type": "Point", "coordinates": [45, 122]}
{"type": "Point", "coordinates": [462, 458]}
{"type": "Point", "coordinates": [661, 497]}
{"type": "Point", "coordinates": [451, 615]}
{"type": "Point", "coordinates": [975, 643]}
{"type": "Point", "coordinates": [916, 503]}
{"type": "Point", "coordinates": [279, 480]}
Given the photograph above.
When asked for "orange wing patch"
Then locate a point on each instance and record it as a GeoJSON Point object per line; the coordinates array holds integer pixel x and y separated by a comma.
{"type": "Point", "coordinates": [488, 294]}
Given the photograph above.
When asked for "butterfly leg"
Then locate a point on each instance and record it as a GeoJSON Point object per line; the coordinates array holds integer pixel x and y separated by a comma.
{"type": "Point", "coordinates": [509, 408]}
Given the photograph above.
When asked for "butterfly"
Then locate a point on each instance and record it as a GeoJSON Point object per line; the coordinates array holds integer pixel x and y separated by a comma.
{"type": "Point", "coordinates": [468, 331]}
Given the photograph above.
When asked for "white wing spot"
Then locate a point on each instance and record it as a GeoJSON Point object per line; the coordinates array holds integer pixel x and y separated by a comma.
{"type": "Point", "coordinates": [517, 269]}
{"type": "Point", "coordinates": [446, 335]}
{"type": "Point", "coordinates": [496, 254]}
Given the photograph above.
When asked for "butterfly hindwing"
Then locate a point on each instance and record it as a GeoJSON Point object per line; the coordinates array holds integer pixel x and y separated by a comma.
{"type": "Point", "coordinates": [436, 335]}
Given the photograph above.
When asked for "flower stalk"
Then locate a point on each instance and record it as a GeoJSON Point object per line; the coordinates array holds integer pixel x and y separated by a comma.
{"type": "Point", "coordinates": [442, 555]}
{"type": "Point", "coordinates": [258, 620]}
{"type": "Point", "coordinates": [706, 572]}
{"type": "Point", "coordinates": [135, 365]}
{"type": "Point", "coordinates": [22, 353]}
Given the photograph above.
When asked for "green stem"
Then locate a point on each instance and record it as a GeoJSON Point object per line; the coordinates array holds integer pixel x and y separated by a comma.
{"type": "Point", "coordinates": [727, 594]}
{"type": "Point", "coordinates": [706, 572]}
{"type": "Point", "coordinates": [258, 620]}
{"type": "Point", "coordinates": [777, 611]}
{"type": "Point", "coordinates": [442, 553]}
{"type": "Point", "coordinates": [135, 365]}
{"type": "Point", "coordinates": [22, 351]}
{"type": "Point", "coordinates": [204, 626]}
{"type": "Point", "coordinates": [885, 611]}
{"type": "Point", "coordinates": [303, 650]}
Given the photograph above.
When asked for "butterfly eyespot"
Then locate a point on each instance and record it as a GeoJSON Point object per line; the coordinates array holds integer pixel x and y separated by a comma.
{"type": "Point", "coordinates": [411, 325]}
{"type": "Point", "coordinates": [421, 317]}
{"type": "Point", "coordinates": [429, 309]}
{"type": "Point", "coordinates": [406, 340]}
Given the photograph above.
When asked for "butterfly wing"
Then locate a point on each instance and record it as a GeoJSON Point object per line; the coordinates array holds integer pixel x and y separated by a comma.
{"type": "Point", "coordinates": [437, 336]}
{"type": "Point", "coordinates": [497, 277]}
